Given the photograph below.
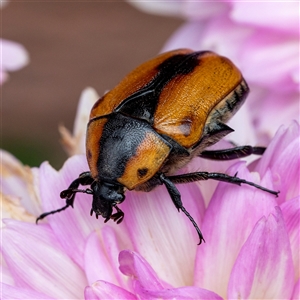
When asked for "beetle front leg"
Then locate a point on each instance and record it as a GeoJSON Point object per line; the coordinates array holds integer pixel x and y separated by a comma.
{"type": "Point", "coordinates": [118, 216]}
{"type": "Point", "coordinates": [176, 198]}
{"type": "Point", "coordinates": [69, 194]}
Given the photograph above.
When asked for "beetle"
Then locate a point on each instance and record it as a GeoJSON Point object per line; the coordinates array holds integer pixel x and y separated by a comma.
{"type": "Point", "coordinates": [156, 120]}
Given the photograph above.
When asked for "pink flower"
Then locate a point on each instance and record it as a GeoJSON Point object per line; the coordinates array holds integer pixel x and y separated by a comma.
{"type": "Point", "coordinates": [261, 38]}
{"type": "Point", "coordinates": [14, 57]}
{"type": "Point", "coordinates": [252, 238]}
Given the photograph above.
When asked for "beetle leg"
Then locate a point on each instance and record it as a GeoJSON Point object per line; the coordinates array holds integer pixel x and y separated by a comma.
{"type": "Point", "coordinates": [196, 176]}
{"type": "Point", "coordinates": [176, 198]}
{"type": "Point", "coordinates": [118, 216]}
{"type": "Point", "coordinates": [69, 194]}
{"type": "Point", "coordinates": [232, 153]}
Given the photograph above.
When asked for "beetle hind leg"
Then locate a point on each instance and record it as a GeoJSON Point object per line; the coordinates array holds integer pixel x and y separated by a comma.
{"type": "Point", "coordinates": [197, 176]}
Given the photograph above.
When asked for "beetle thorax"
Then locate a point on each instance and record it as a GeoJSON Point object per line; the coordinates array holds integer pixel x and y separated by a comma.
{"type": "Point", "coordinates": [130, 151]}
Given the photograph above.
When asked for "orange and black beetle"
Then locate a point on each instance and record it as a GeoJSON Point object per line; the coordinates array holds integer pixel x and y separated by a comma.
{"type": "Point", "coordinates": [158, 118]}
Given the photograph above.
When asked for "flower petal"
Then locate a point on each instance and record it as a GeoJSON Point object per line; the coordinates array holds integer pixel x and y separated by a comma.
{"type": "Point", "coordinates": [229, 219]}
{"type": "Point", "coordinates": [75, 143]}
{"type": "Point", "coordinates": [97, 264]}
{"type": "Point", "coordinates": [187, 292]}
{"type": "Point", "coordinates": [106, 290]}
{"type": "Point", "coordinates": [3, 77]}
{"type": "Point", "coordinates": [296, 291]}
{"type": "Point", "coordinates": [282, 157]}
{"type": "Point", "coordinates": [256, 50]}
{"type": "Point", "coordinates": [9, 292]}
{"type": "Point", "coordinates": [273, 102]}
{"type": "Point", "coordinates": [101, 257]}
{"type": "Point", "coordinates": [6, 276]}
{"type": "Point", "coordinates": [282, 16]}
{"type": "Point", "coordinates": [187, 9]}
{"type": "Point", "coordinates": [264, 266]}
{"type": "Point", "coordinates": [135, 266]}
{"type": "Point", "coordinates": [20, 182]}
{"type": "Point", "coordinates": [153, 222]}
{"type": "Point", "coordinates": [14, 55]}
{"type": "Point", "coordinates": [36, 261]}
{"type": "Point", "coordinates": [291, 212]}
{"type": "Point", "coordinates": [148, 286]}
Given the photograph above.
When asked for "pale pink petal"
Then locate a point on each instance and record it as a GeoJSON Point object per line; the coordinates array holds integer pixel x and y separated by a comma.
{"type": "Point", "coordinates": [3, 77]}
{"type": "Point", "coordinates": [3, 3]}
{"type": "Point", "coordinates": [244, 131]}
{"type": "Point", "coordinates": [273, 71]}
{"type": "Point", "coordinates": [14, 55]}
{"type": "Point", "coordinates": [101, 257]}
{"type": "Point", "coordinates": [151, 218]}
{"type": "Point", "coordinates": [205, 10]}
{"type": "Point", "coordinates": [283, 137]}
{"type": "Point", "coordinates": [6, 276]}
{"type": "Point", "coordinates": [229, 219]}
{"type": "Point", "coordinates": [273, 102]}
{"type": "Point", "coordinates": [222, 36]}
{"type": "Point", "coordinates": [106, 290]}
{"type": "Point", "coordinates": [291, 212]}
{"type": "Point", "coordinates": [13, 209]}
{"type": "Point", "coordinates": [187, 292]}
{"type": "Point", "coordinates": [134, 265]}
{"type": "Point", "coordinates": [37, 262]}
{"type": "Point", "coordinates": [77, 222]}
{"type": "Point", "coordinates": [158, 7]}
{"type": "Point", "coordinates": [213, 35]}
{"type": "Point", "coordinates": [187, 9]}
{"type": "Point", "coordinates": [264, 266]}
{"type": "Point", "coordinates": [282, 157]}
{"type": "Point", "coordinates": [9, 292]}
{"type": "Point", "coordinates": [20, 182]}
{"type": "Point", "coordinates": [97, 265]}
{"type": "Point", "coordinates": [281, 16]}
{"type": "Point", "coordinates": [187, 36]}
{"type": "Point", "coordinates": [147, 284]}
{"type": "Point", "coordinates": [75, 143]}
{"type": "Point", "coordinates": [296, 292]}
{"type": "Point", "coordinates": [115, 239]}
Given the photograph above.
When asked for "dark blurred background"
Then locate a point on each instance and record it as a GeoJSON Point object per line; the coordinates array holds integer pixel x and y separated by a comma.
{"type": "Point", "coordinates": [71, 45]}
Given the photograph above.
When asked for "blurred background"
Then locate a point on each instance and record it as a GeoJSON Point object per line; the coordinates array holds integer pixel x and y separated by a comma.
{"type": "Point", "coordinates": [71, 45]}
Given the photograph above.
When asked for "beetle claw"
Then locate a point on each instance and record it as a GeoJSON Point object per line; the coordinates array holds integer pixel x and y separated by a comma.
{"type": "Point", "coordinates": [118, 216]}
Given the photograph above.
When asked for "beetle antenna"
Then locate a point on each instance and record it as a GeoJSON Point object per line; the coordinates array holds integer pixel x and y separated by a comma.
{"type": "Point", "coordinates": [69, 195]}
{"type": "Point", "coordinates": [42, 216]}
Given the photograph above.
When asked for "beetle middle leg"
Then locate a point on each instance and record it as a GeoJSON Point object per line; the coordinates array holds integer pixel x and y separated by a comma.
{"type": "Point", "coordinates": [232, 153]}
{"type": "Point", "coordinates": [69, 194]}
{"type": "Point", "coordinates": [176, 198]}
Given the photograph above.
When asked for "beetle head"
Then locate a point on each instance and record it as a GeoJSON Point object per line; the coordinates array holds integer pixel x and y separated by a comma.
{"type": "Point", "coordinates": [105, 197]}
